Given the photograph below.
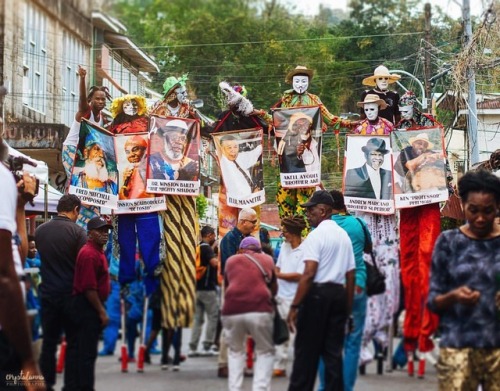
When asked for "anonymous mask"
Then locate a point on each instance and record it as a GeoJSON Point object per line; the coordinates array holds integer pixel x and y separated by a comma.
{"type": "Point", "coordinates": [300, 83]}
{"type": "Point", "coordinates": [406, 112]}
{"type": "Point", "coordinates": [371, 111]}
{"type": "Point", "coordinates": [130, 107]}
{"type": "Point", "coordinates": [382, 83]}
{"type": "Point", "coordinates": [181, 94]}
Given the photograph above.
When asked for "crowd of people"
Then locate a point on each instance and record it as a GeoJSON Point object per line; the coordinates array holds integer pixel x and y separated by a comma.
{"type": "Point", "coordinates": [89, 263]}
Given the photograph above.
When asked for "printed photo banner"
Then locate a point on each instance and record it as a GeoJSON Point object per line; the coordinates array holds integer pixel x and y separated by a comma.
{"type": "Point", "coordinates": [173, 157]}
{"type": "Point", "coordinates": [131, 153]}
{"type": "Point", "coordinates": [298, 145]}
{"type": "Point", "coordinates": [419, 167]}
{"type": "Point", "coordinates": [239, 154]}
{"type": "Point", "coordinates": [94, 177]}
{"type": "Point", "coordinates": [368, 179]}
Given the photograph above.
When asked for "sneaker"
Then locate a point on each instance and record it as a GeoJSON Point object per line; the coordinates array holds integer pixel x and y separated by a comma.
{"type": "Point", "coordinates": [154, 351]}
{"type": "Point", "coordinates": [193, 353]}
{"type": "Point", "coordinates": [164, 367]}
{"type": "Point", "coordinates": [104, 353]}
{"type": "Point", "coordinates": [279, 373]}
{"type": "Point", "coordinates": [208, 353]}
{"type": "Point", "coordinates": [175, 368]}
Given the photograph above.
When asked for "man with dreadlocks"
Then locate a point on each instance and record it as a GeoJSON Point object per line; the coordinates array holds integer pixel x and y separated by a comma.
{"type": "Point", "coordinates": [289, 200]}
{"type": "Point", "coordinates": [89, 107]}
{"type": "Point", "coordinates": [178, 283]}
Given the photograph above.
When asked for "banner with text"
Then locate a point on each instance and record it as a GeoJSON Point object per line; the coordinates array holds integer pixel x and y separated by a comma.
{"type": "Point", "coordinates": [419, 167]}
{"type": "Point", "coordinates": [239, 155]}
{"type": "Point", "coordinates": [298, 145]}
{"type": "Point", "coordinates": [173, 161]}
{"type": "Point", "coordinates": [131, 153]}
{"type": "Point", "coordinates": [368, 179]}
{"type": "Point", "coordinates": [94, 177]}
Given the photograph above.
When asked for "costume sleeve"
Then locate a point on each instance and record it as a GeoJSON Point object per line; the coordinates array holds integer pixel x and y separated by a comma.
{"type": "Point", "coordinates": [329, 118]}
{"type": "Point", "coordinates": [439, 278]}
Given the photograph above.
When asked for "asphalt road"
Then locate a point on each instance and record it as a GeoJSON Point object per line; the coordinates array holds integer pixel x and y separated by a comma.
{"type": "Point", "coordinates": [200, 374]}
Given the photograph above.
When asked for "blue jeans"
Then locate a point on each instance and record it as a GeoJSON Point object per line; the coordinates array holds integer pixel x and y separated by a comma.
{"type": "Point", "coordinates": [110, 333]}
{"type": "Point", "coordinates": [142, 228]}
{"type": "Point", "coordinates": [352, 345]}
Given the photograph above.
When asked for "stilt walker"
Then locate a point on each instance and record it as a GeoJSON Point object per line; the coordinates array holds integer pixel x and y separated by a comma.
{"type": "Point", "coordinates": [179, 226]}
{"type": "Point", "coordinates": [419, 228]}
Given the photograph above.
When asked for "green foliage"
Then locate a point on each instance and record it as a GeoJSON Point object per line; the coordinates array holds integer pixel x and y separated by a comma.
{"type": "Point", "coordinates": [201, 206]}
{"type": "Point", "coordinates": [256, 42]}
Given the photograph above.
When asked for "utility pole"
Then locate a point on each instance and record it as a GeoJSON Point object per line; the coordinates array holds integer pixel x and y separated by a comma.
{"type": "Point", "coordinates": [471, 99]}
{"type": "Point", "coordinates": [427, 55]}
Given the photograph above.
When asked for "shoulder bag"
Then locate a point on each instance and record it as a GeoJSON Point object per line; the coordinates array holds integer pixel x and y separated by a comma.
{"type": "Point", "coordinates": [280, 328]}
{"type": "Point", "coordinates": [375, 280]}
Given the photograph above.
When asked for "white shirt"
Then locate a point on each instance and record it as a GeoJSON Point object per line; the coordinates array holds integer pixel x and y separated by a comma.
{"type": "Point", "coordinates": [375, 180]}
{"type": "Point", "coordinates": [330, 246]}
{"type": "Point", "coordinates": [236, 184]}
{"type": "Point", "coordinates": [290, 260]}
{"type": "Point", "coordinates": [8, 213]}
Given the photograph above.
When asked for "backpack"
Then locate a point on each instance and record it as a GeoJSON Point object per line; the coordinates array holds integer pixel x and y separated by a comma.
{"type": "Point", "coordinates": [200, 269]}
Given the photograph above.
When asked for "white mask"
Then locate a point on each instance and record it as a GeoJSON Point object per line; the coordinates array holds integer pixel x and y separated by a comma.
{"type": "Point", "coordinates": [406, 112]}
{"type": "Point", "coordinates": [371, 111]}
{"type": "Point", "coordinates": [382, 83]}
{"type": "Point", "coordinates": [130, 107]}
{"type": "Point", "coordinates": [181, 94]}
{"type": "Point", "coordinates": [300, 83]}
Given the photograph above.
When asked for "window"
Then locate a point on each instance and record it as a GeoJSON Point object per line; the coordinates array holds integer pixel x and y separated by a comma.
{"type": "Point", "coordinates": [35, 59]}
{"type": "Point", "coordinates": [73, 54]}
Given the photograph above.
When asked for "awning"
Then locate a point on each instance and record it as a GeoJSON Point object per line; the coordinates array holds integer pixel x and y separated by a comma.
{"type": "Point", "coordinates": [126, 46]}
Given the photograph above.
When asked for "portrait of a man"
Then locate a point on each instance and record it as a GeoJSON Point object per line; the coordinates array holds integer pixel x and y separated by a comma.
{"type": "Point", "coordinates": [421, 168]}
{"type": "Point", "coordinates": [236, 167]}
{"type": "Point", "coordinates": [298, 150]}
{"type": "Point", "coordinates": [93, 171]}
{"type": "Point", "coordinates": [133, 183]}
{"type": "Point", "coordinates": [370, 180]}
{"type": "Point", "coordinates": [172, 163]}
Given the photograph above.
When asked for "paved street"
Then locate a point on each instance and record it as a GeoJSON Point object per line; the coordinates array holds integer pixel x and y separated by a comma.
{"type": "Point", "coordinates": [199, 374]}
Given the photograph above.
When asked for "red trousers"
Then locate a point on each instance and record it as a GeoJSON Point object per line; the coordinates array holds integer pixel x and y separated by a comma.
{"type": "Point", "coordinates": [419, 229]}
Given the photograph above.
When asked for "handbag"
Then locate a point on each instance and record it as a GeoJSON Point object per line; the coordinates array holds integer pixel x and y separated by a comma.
{"type": "Point", "coordinates": [375, 279]}
{"type": "Point", "coordinates": [280, 328]}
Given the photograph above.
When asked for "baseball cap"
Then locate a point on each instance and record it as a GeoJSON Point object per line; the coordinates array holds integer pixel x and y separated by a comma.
{"type": "Point", "coordinates": [250, 243]}
{"type": "Point", "coordinates": [319, 197]}
{"type": "Point", "coordinates": [98, 222]}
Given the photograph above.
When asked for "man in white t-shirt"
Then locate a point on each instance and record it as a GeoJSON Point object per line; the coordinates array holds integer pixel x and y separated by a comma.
{"type": "Point", "coordinates": [289, 269]}
{"type": "Point", "coordinates": [322, 306]}
{"type": "Point", "coordinates": [15, 341]}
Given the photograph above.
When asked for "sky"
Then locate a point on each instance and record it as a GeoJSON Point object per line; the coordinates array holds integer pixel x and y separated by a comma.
{"type": "Point", "coordinates": [451, 7]}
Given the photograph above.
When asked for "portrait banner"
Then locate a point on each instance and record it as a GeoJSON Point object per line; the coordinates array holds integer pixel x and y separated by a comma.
{"type": "Point", "coordinates": [239, 155]}
{"type": "Point", "coordinates": [419, 167]}
{"type": "Point", "coordinates": [173, 156]}
{"type": "Point", "coordinates": [298, 145]}
{"type": "Point", "coordinates": [94, 177]}
{"type": "Point", "coordinates": [368, 179]}
{"type": "Point", "coordinates": [131, 154]}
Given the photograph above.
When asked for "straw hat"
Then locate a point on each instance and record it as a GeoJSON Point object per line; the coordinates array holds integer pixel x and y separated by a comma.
{"type": "Point", "coordinates": [380, 71]}
{"type": "Point", "coordinates": [372, 98]}
{"type": "Point", "coordinates": [299, 70]}
{"type": "Point", "coordinates": [421, 137]}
